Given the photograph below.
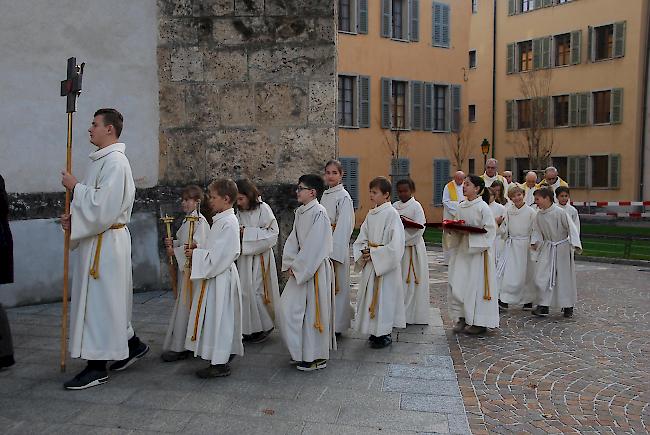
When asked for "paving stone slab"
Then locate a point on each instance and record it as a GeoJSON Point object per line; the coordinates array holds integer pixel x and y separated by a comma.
{"type": "Point", "coordinates": [421, 386]}
{"type": "Point", "coordinates": [125, 417]}
{"type": "Point", "coordinates": [421, 372]}
{"type": "Point", "coordinates": [433, 403]}
{"type": "Point", "coordinates": [396, 420]}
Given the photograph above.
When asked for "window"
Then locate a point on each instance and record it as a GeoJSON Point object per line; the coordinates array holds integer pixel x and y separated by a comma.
{"type": "Point", "coordinates": [524, 114]}
{"type": "Point", "coordinates": [353, 16]}
{"type": "Point", "coordinates": [472, 166]}
{"type": "Point", "coordinates": [346, 14]}
{"type": "Point", "coordinates": [346, 110]}
{"type": "Point", "coordinates": [441, 26]}
{"type": "Point", "coordinates": [353, 103]}
{"type": "Point", "coordinates": [561, 111]}
{"type": "Point", "coordinates": [472, 58]}
{"type": "Point", "coordinates": [526, 5]}
{"type": "Point", "coordinates": [351, 177]}
{"type": "Point", "coordinates": [563, 49]}
{"type": "Point", "coordinates": [440, 107]}
{"type": "Point", "coordinates": [471, 110]}
{"type": "Point", "coordinates": [398, 105]}
{"type": "Point", "coordinates": [525, 50]}
{"type": "Point", "coordinates": [398, 19]}
{"type": "Point", "coordinates": [560, 163]}
{"type": "Point", "coordinates": [602, 105]}
{"type": "Point", "coordinates": [604, 42]}
{"type": "Point", "coordinates": [474, 6]}
{"type": "Point", "coordinates": [599, 171]}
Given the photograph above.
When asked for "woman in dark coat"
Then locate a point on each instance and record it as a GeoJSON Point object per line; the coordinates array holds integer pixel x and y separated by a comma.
{"type": "Point", "coordinates": [6, 276]}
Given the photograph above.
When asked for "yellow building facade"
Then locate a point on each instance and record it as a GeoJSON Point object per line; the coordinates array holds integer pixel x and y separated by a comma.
{"type": "Point", "coordinates": [422, 83]}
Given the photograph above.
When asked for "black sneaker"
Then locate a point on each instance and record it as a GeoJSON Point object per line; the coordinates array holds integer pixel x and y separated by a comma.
{"type": "Point", "coordinates": [382, 342]}
{"type": "Point", "coordinates": [372, 339]}
{"type": "Point", "coordinates": [338, 334]}
{"type": "Point", "coordinates": [311, 366]}
{"type": "Point", "coordinates": [541, 311]}
{"type": "Point", "coordinates": [503, 305]}
{"type": "Point", "coordinates": [528, 306]}
{"type": "Point", "coordinates": [568, 312]}
{"type": "Point", "coordinates": [134, 355]}
{"type": "Point", "coordinates": [259, 337]}
{"type": "Point", "coordinates": [214, 371]}
{"type": "Point", "coordinates": [87, 378]}
{"type": "Point", "coordinates": [171, 356]}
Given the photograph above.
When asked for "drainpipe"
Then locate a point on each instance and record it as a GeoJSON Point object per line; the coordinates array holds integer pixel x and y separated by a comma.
{"type": "Point", "coordinates": [494, 76]}
{"type": "Point", "coordinates": [644, 121]}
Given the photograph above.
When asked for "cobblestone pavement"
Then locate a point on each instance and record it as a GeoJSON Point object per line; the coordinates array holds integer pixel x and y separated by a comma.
{"type": "Point", "coordinates": [408, 388]}
{"type": "Point", "coordinates": [588, 374]}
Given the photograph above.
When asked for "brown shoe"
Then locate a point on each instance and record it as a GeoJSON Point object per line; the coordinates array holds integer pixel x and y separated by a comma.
{"type": "Point", "coordinates": [214, 371]}
{"type": "Point", "coordinates": [460, 325]}
{"type": "Point", "coordinates": [475, 330]}
{"type": "Point", "coordinates": [171, 356]}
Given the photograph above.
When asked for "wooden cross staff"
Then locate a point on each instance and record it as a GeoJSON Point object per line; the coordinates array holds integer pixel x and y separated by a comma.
{"type": "Point", "coordinates": [70, 88]}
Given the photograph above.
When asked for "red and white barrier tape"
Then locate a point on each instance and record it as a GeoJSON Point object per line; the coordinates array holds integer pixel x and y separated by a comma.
{"type": "Point", "coordinates": [612, 204]}
{"type": "Point", "coordinates": [614, 214]}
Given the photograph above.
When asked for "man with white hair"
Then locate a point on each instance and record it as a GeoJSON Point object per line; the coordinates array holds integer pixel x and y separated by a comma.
{"type": "Point", "coordinates": [491, 174]}
{"type": "Point", "coordinates": [452, 195]}
{"type": "Point", "coordinates": [508, 176]}
{"type": "Point", "coordinates": [529, 187]}
{"type": "Point", "coordinates": [552, 180]}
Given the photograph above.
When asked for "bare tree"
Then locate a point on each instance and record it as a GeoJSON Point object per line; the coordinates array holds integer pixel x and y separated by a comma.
{"type": "Point", "coordinates": [532, 121]}
{"type": "Point", "coordinates": [397, 146]}
{"type": "Point", "coordinates": [459, 147]}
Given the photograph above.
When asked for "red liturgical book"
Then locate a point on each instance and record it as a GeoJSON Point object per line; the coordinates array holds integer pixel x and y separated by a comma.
{"type": "Point", "coordinates": [458, 225]}
{"type": "Point", "coordinates": [410, 223]}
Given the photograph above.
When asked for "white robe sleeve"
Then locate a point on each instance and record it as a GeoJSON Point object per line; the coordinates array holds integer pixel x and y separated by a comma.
{"type": "Point", "coordinates": [389, 257]}
{"type": "Point", "coordinates": [574, 235]}
{"type": "Point", "coordinates": [215, 259]}
{"type": "Point", "coordinates": [314, 250]}
{"type": "Point", "coordinates": [290, 248]}
{"type": "Point", "coordinates": [95, 209]}
{"type": "Point", "coordinates": [452, 206]}
{"type": "Point", "coordinates": [201, 232]}
{"type": "Point", "coordinates": [343, 231]}
{"type": "Point", "coordinates": [479, 242]}
{"type": "Point", "coordinates": [360, 244]}
{"type": "Point", "coordinates": [411, 235]}
{"type": "Point", "coordinates": [257, 240]}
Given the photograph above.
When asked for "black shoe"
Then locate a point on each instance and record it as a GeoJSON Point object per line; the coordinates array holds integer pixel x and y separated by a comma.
{"type": "Point", "coordinates": [259, 337]}
{"type": "Point", "coordinates": [171, 356]}
{"type": "Point", "coordinates": [568, 312]}
{"type": "Point", "coordinates": [503, 305]}
{"type": "Point", "coordinates": [541, 311]}
{"type": "Point", "coordinates": [382, 342]}
{"type": "Point", "coordinates": [7, 361]}
{"type": "Point", "coordinates": [475, 330]}
{"type": "Point", "coordinates": [214, 371]}
{"type": "Point", "coordinates": [87, 378]}
{"type": "Point", "coordinates": [338, 334]}
{"type": "Point", "coordinates": [135, 354]}
{"type": "Point", "coordinates": [528, 306]}
{"type": "Point", "coordinates": [372, 339]}
{"type": "Point", "coordinates": [460, 325]}
{"type": "Point", "coordinates": [311, 366]}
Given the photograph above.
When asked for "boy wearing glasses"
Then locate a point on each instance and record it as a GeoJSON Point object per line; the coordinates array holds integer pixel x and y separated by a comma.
{"type": "Point", "coordinates": [307, 308]}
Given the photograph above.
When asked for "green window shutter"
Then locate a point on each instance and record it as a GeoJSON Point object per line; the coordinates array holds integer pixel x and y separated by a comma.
{"type": "Point", "coordinates": [541, 106]}
{"type": "Point", "coordinates": [537, 53]}
{"type": "Point", "coordinates": [385, 102]}
{"type": "Point", "coordinates": [546, 51]}
{"type": "Point", "coordinates": [400, 170]}
{"type": "Point", "coordinates": [572, 171]}
{"type": "Point", "coordinates": [416, 105]}
{"type": "Point", "coordinates": [446, 26]}
{"type": "Point", "coordinates": [436, 28]}
{"type": "Point", "coordinates": [584, 100]}
{"type": "Point", "coordinates": [509, 164]}
{"type": "Point", "coordinates": [590, 44]}
{"type": "Point", "coordinates": [441, 169]}
{"type": "Point", "coordinates": [573, 110]}
{"type": "Point", "coordinates": [510, 106]}
{"type": "Point", "coordinates": [386, 18]}
{"type": "Point", "coordinates": [363, 16]}
{"type": "Point", "coordinates": [616, 112]}
{"type": "Point", "coordinates": [547, 3]}
{"type": "Point", "coordinates": [455, 108]}
{"type": "Point", "coordinates": [511, 7]}
{"type": "Point", "coordinates": [619, 39]}
{"type": "Point", "coordinates": [576, 43]}
{"type": "Point", "coordinates": [428, 107]}
{"type": "Point", "coordinates": [614, 171]}
{"type": "Point", "coordinates": [582, 172]}
{"type": "Point", "coordinates": [414, 20]}
{"type": "Point", "coordinates": [510, 59]}
{"type": "Point", "coordinates": [364, 101]}
{"type": "Point", "coordinates": [351, 178]}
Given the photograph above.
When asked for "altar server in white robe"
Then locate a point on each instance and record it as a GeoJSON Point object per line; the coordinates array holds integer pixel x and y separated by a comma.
{"type": "Point", "coordinates": [555, 239]}
{"type": "Point", "coordinates": [307, 302]}
{"type": "Point", "coordinates": [499, 213]}
{"type": "Point", "coordinates": [415, 264]}
{"type": "Point", "coordinates": [214, 331]}
{"type": "Point", "coordinates": [192, 197]}
{"type": "Point", "coordinates": [472, 272]}
{"type": "Point", "coordinates": [378, 253]}
{"type": "Point", "coordinates": [256, 264]}
{"type": "Point", "coordinates": [452, 195]}
{"type": "Point", "coordinates": [515, 267]}
{"type": "Point", "coordinates": [102, 289]}
{"type": "Point", "coordinates": [340, 209]}
{"type": "Point", "coordinates": [563, 201]}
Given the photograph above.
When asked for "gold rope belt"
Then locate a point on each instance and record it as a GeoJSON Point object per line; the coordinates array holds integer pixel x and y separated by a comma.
{"type": "Point", "coordinates": [317, 324]}
{"type": "Point", "coordinates": [486, 280]}
{"type": "Point", "coordinates": [94, 269]}
{"type": "Point", "coordinates": [375, 291]}
{"type": "Point", "coordinates": [411, 268]}
{"type": "Point", "coordinates": [265, 279]}
{"type": "Point", "coordinates": [336, 279]}
{"type": "Point", "coordinates": [198, 309]}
